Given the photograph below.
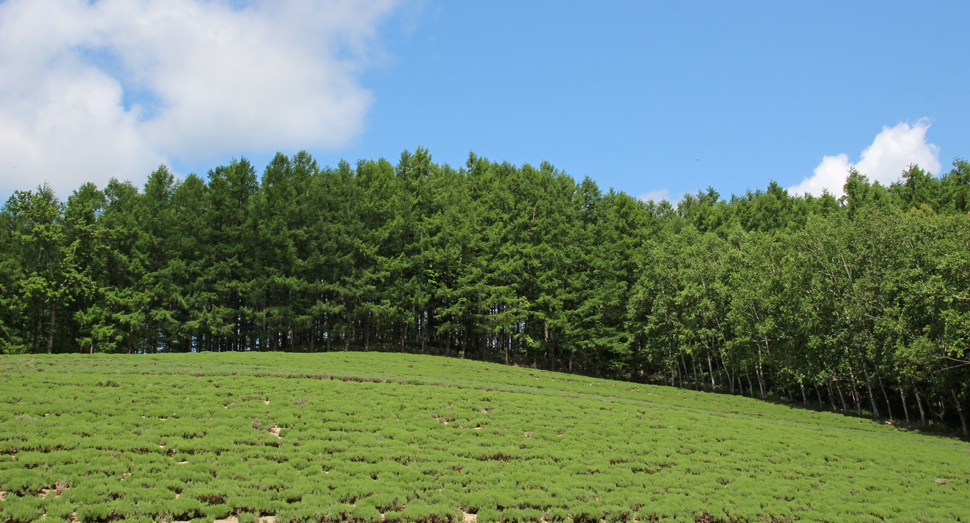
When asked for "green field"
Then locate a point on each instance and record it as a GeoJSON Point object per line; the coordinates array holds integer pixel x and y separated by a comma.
{"type": "Point", "coordinates": [366, 437]}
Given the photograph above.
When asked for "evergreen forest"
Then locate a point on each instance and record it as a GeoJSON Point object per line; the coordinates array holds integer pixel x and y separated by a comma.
{"type": "Point", "coordinates": [859, 304]}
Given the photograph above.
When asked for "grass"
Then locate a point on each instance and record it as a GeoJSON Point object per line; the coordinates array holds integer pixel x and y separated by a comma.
{"type": "Point", "coordinates": [367, 437]}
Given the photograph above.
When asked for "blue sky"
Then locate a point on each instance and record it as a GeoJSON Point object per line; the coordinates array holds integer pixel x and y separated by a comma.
{"type": "Point", "coordinates": [649, 98]}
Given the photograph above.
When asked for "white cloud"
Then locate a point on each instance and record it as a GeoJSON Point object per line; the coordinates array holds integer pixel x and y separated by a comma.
{"type": "Point", "coordinates": [893, 150]}
{"type": "Point", "coordinates": [91, 90]}
{"type": "Point", "coordinates": [655, 196]}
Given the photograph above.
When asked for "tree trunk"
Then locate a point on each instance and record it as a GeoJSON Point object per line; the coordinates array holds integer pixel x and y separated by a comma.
{"type": "Point", "coordinates": [680, 374]}
{"type": "Point", "coordinates": [50, 337]}
{"type": "Point", "coordinates": [535, 359]}
{"type": "Point", "coordinates": [506, 347]}
{"type": "Point", "coordinates": [832, 396]}
{"type": "Point", "coordinates": [818, 392]}
{"type": "Point", "coordinates": [698, 378]}
{"type": "Point", "coordinates": [845, 409]}
{"type": "Point", "coordinates": [804, 396]}
{"type": "Point", "coordinates": [761, 381]}
{"type": "Point", "coordinates": [902, 396]}
{"type": "Point", "coordinates": [750, 386]}
{"type": "Point", "coordinates": [730, 375]}
{"type": "Point", "coordinates": [552, 350]}
{"type": "Point", "coordinates": [889, 407]}
{"type": "Point", "coordinates": [516, 347]}
{"type": "Point", "coordinates": [687, 373]}
{"type": "Point", "coordinates": [483, 346]}
{"type": "Point", "coordinates": [424, 335]}
{"type": "Point", "coordinates": [919, 403]}
{"type": "Point", "coordinates": [545, 328]}
{"type": "Point", "coordinates": [963, 419]}
{"type": "Point", "coordinates": [711, 368]}
{"type": "Point", "coordinates": [313, 335]}
{"type": "Point", "coordinates": [872, 397]}
{"type": "Point", "coordinates": [855, 391]}
{"type": "Point", "coordinates": [673, 370]}
{"type": "Point", "coordinates": [291, 336]}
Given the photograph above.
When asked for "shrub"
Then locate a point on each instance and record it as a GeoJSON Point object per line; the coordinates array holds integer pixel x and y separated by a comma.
{"type": "Point", "coordinates": [489, 515]}
{"type": "Point", "coordinates": [365, 514]}
{"type": "Point", "coordinates": [351, 493]}
{"type": "Point", "coordinates": [298, 514]}
{"type": "Point", "coordinates": [556, 515]}
{"type": "Point", "coordinates": [475, 501]}
{"type": "Point", "coordinates": [21, 509]}
{"type": "Point", "coordinates": [587, 513]}
{"type": "Point", "coordinates": [339, 513]}
{"type": "Point", "coordinates": [311, 514]}
{"type": "Point", "coordinates": [187, 508]}
{"type": "Point", "coordinates": [219, 511]}
{"type": "Point", "coordinates": [83, 495]}
{"type": "Point", "coordinates": [522, 515]}
{"type": "Point", "coordinates": [443, 513]}
{"type": "Point", "coordinates": [417, 512]}
{"type": "Point", "coordinates": [93, 512]}
{"type": "Point", "coordinates": [245, 503]}
{"type": "Point", "coordinates": [386, 502]}
{"type": "Point", "coordinates": [23, 481]}
{"type": "Point", "coordinates": [57, 509]}
{"type": "Point", "coordinates": [619, 515]}
{"type": "Point", "coordinates": [121, 509]}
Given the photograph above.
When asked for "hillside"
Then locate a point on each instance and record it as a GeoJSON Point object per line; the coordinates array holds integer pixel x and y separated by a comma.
{"type": "Point", "coordinates": [365, 436]}
{"type": "Point", "coordinates": [861, 302]}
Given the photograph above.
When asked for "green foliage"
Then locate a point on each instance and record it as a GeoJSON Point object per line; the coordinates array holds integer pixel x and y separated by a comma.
{"type": "Point", "coordinates": [490, 260]}
{"type": "Point", "coordinates": [370, 441]}
{"type": "Point", "coordinates": [859, 303]}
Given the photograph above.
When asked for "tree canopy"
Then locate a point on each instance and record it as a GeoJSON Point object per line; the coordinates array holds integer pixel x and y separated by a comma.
{"type": "Point", "coordinates": [857, 303]}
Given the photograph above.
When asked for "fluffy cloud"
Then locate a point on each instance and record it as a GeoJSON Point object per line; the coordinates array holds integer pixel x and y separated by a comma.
{"type": "Point", "coordinates": [893, 150]}
{"type": "Point", "coordinates": [91, 90]}
{"type": "Point", "coordinates": [655, 196]}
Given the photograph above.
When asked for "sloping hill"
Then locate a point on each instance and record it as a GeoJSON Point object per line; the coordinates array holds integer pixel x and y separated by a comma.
{"type": "Point", "coordinates": [367, 437]}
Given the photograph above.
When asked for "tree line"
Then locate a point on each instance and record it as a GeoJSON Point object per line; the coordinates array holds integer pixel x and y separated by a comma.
{"type": "Point", "coordinates": [860, 303]}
